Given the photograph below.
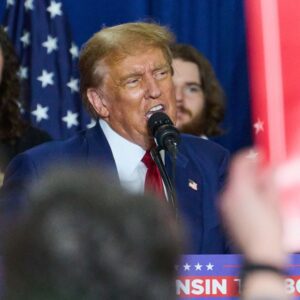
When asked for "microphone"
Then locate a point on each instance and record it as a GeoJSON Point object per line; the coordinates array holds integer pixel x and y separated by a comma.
{"type": "Point", "coordinates": [166, 135]}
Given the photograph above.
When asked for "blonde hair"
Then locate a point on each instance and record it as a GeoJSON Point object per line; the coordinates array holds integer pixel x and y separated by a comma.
{"type": "Point", "coordinates": [112, 44]}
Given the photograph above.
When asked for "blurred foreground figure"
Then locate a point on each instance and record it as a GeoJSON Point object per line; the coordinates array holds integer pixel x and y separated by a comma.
{"type": "Point", "coordinates": [199, 96]}
{"type": "Point", "coordinates": [83, 239]}
{"type": "Point", "coordinates": [251, 215]}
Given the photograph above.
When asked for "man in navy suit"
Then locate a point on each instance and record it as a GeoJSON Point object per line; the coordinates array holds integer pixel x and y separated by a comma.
{"type": "Point", "coordinates": [126, 76]}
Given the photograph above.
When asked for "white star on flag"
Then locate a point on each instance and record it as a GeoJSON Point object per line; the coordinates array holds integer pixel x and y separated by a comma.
{"type": "Point", "coordinates": [252, 154]}
{"type": "Point", "coordinates": [25, 38]}
{"type": "Point", "coordinates": [209, 267]}
{"type": "Point", "coordinates": [50, 44]}
{"type": "Point", "coordinates": [73, 85]}
{"type": "Point", "coordinates": [10, 2]}
{"type": "Point", "coordinates": [46, 78]}
{"type": "Point", "coordinates": [54, 9]}
{"type": "Point", "coordinates": [259, 126]}
{"type": "Point", "coordinates": [74, 51]}
{"type": "Point", "coordinates": [40, 112]}
{"type": "Point", "coordinates": [186, 267]}
{"type": "Point", "coordinates": [71, 119]}
{"type": "Point", "coordinates": [198, 267]}
{"type": "Point", "coordinates": [23, 72]}
{"type": "Point", "coordinates": [193, 185]}
{"type": "Point", "coordinates": [91, 124]}
{"type": "Point", "coordinates": [29, 5]}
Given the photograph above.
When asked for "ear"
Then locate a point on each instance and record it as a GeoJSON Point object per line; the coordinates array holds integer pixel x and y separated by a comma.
{"type": "Point", "coordinates": [97, 100]}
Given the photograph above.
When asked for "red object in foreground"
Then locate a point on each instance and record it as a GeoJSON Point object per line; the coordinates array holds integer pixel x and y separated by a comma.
{"type": "Point", "coordinates": [273, 31]}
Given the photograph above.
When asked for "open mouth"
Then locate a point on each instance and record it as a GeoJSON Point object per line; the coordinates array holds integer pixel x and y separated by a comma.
{"type": "Point", "coordinates": [154, 109]}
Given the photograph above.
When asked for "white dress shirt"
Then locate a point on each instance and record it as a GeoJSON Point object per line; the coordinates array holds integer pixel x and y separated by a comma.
{"type": "Point", "coordinates": [131, 171]}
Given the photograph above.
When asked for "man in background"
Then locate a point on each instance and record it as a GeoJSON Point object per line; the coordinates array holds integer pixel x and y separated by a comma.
{"type": "Point", "coordinates": [199, 96]}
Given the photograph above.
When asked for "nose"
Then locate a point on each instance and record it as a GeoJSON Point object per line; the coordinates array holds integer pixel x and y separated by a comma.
{"type": "Point", "coordinates": [178, 95]}
{"type": "Point", "coordinates": [153, 90]}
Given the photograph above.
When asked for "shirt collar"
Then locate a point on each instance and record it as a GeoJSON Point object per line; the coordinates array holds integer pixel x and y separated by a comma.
{"type": "Point", "coordinates": [127, 155]}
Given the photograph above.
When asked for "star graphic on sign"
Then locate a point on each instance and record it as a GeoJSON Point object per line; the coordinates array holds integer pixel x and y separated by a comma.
{"type": "Point", "coordinates": [73, 85]}
{"type": "Point", "coordinates": [54, 9]}
{"type": "Point", "coordinates": [186, 267]}
{"type": "Point", "coordinates": [209, 267]}
{"type": "Point", "coordinates": [198, 267]}
{"type": "Point", "coordinates": [46, 78]}
{"type": "Point", "coordinates": [23, 72]}
{"type": "Point", "coordinates": [252, 154]}
{"type": "Point", "coordinates": [29, 5]}
{"type": "Point", "coordinates": [259, 126]}
{"type": "Point", "coordinates": [50, 44]}
{"type": "Point", "coordinates": [25, 38]}
{"type": "Point", "coordinates": [91, 124]}
{"type": "Point", "coordinates": [71, 119]}
{"type": "Point", "coordinates": [10, 2]}
{"type": "Point", "coordinates": [40, 112]}
{"type": "Point", "coordinates": [74, 51]}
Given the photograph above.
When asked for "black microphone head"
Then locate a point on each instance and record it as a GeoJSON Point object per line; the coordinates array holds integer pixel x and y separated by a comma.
{"type": "Point", "coordinates": [158, 119]}
{"type": "Point", "coordinates": [162, 129]}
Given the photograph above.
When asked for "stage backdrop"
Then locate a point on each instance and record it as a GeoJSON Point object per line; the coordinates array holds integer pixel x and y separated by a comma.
{"type": "Point", "coordinates": [215, 27]}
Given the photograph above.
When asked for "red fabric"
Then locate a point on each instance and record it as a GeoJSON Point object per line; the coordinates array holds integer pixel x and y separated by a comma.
{"type": "Point", "coordinates": [153, 181]}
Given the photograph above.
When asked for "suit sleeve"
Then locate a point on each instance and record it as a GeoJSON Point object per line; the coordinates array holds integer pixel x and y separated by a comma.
{"type": "Point", "coordinates": [223, 171]}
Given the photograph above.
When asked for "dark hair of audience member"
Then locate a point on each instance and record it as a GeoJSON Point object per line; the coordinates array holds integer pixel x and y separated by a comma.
{"type": "Point", "coordinates": [84, 239]}
{"type": "Point", "coordinates": [11, 123]}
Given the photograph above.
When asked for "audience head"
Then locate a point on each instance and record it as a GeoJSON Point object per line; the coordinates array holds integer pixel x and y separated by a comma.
{"type": "Point", "coordinates": [126, 75]}
{"type": "Point", "coordinates": [199, 96]}
{"type": "Point", "coordinates": [84, 239]}
{"type": "Point", "coordinates": [11, 124]}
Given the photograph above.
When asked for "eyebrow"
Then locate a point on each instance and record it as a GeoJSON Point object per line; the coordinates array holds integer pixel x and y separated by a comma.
{"type": "Point", "coordinates": [193, 83]}
{"type": "Point", "coordinates": [138, 74]}
{"type": "Point", "coordinates": [132, 74]}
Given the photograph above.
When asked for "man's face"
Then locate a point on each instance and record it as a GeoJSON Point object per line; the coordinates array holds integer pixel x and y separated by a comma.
{"type": "Point", "coordinates": [189, 94]}
{"type": "Point", "coordinates": [134, 88]}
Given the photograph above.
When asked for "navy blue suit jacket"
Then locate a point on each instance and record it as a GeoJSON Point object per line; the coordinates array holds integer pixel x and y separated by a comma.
{"type": "Point", "coordinates": [200, 173]}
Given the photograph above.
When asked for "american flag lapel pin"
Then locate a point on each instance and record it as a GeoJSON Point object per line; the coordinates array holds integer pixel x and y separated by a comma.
{"type": "Point", "coordinates": [193, 185]}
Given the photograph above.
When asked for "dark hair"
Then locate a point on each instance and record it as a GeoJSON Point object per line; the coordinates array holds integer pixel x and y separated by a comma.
{"type": "Point", "coordinates": [11, 123]}
{"type": "Point", "coordinates": [214, 98]}
{"type": "Point", "coordinates": [85, 239]}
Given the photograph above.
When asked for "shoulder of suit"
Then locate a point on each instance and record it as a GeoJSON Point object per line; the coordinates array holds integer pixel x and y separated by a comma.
{"type": "Point", "coordinates": [189, 140]}
{"type": "Point", "coordinates": [55, 147]}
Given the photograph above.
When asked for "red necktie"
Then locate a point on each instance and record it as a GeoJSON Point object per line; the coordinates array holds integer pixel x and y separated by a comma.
{"type": "Point", "coordinates": [153, 182]}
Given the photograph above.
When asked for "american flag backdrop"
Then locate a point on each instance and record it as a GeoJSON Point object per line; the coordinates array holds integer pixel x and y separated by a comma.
{"type": "Point", "coordinates": [48, 58]}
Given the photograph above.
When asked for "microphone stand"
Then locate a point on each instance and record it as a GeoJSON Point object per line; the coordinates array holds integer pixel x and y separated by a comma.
{"type": "Point", "coordinates": [169, 184]}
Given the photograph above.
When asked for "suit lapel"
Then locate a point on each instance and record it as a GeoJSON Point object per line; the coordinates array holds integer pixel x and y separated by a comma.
{"type": "Point", "coordinates": [98, 151]}
{"type": "Point", "coordinates": [195, 198]}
